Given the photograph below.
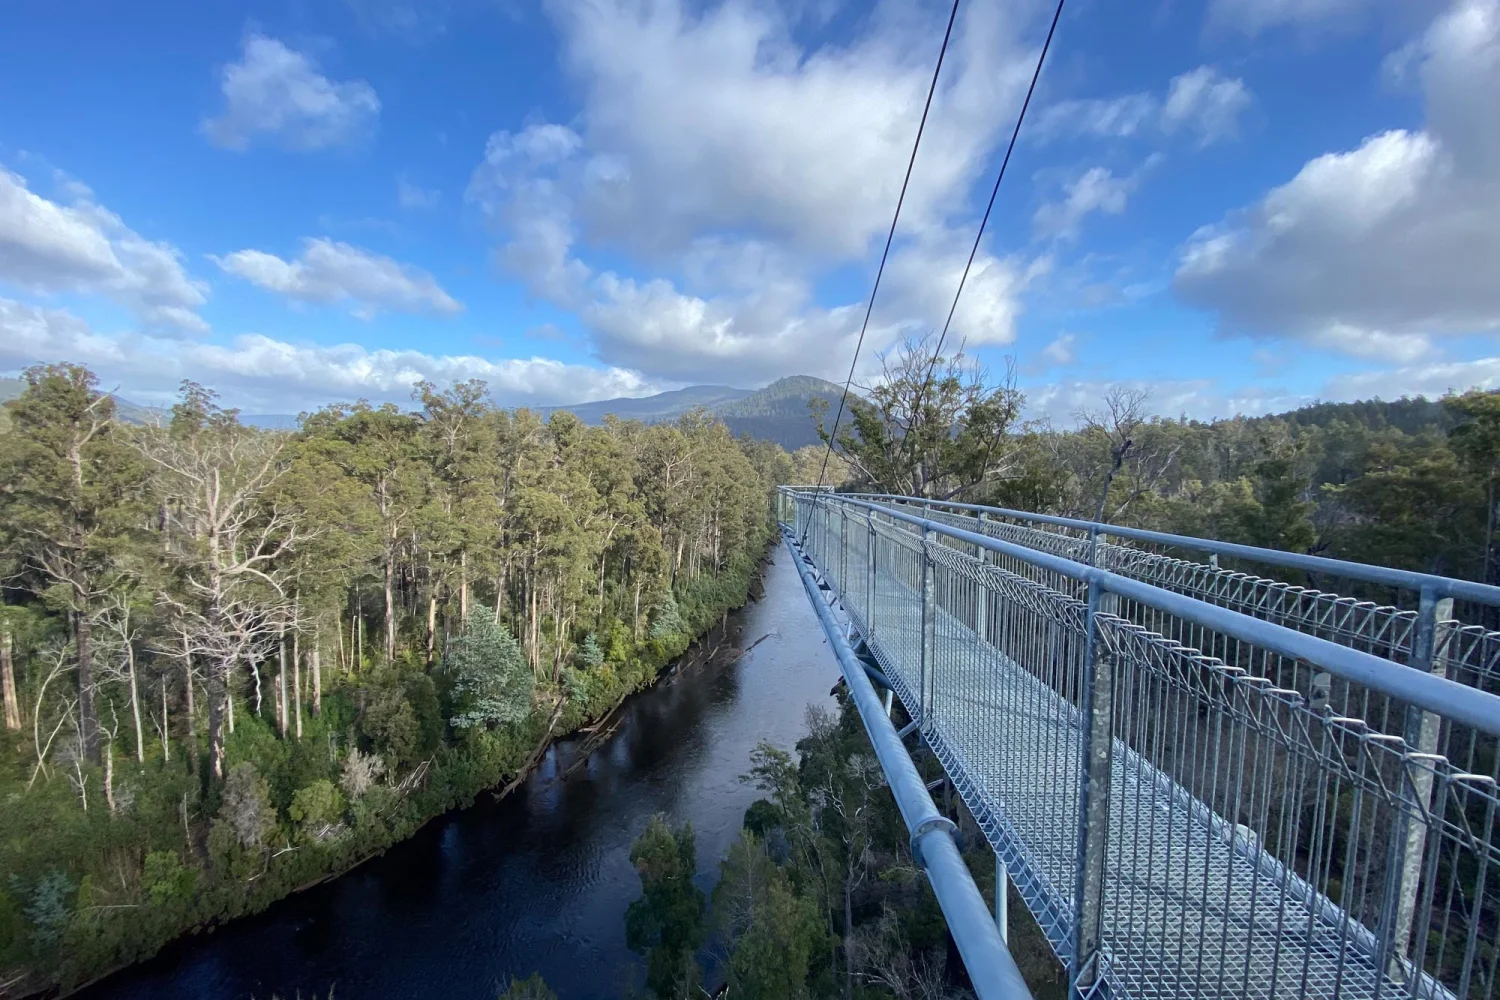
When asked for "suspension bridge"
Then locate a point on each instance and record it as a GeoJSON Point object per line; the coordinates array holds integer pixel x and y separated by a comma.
{"type": "Point", "coordinates": [1203, 782]}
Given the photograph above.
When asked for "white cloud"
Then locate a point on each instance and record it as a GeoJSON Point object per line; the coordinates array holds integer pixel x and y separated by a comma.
{"type": "Point", "coordinates": [48, 248]}
{"type": "Point", "coordinates": [331, 272]}
{"type": "Point", "coordinates": [718, 120]}
{"type": "Point", "coordinates": [1201, 103]}
{"type": "Point", "coordinates": [1205, 103]}
{"type": "Point", "coordinates": [1430, 380]}
{"type": "Point", "coordinates": [1110, 118]}
{"type": "Point", "coordinates": [1197, 399]}
{"type": "Point", "coordinates": [1061, 350]}
{"type": "Point", "coordinates": [1376, 250]}
{"type": "Point", "coordinates": [409, 195]}
{"type": "Point", "coordinates": [1097, 190]}
{"type": "Point", "coordinates": [264, 375]}
{"type": "Point", "coordinates": [276, 93]}
{"type": "Point", "coordinates": [733, 169]}
{"type": "Point", "coordinates": [1255, 16]}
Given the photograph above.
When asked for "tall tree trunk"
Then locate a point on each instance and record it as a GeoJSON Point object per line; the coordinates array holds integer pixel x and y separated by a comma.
{"type": "Point", "coordinates": [281, 712]}
{"type": "Point", "coordinates": [463, 586]}
{"type": "Point", "coordinates": [848, 936]}
{"type": "Point", "coordinates": [431, 625]}
{"type": "Point", "coordinates": [228, 709]}
{"type": "Point", "coordinates": [109, 775]}
{"type": "Point", "coordinates": [218, 702]}
{"type": "Point", "coordinates": [187, 683]}
{"type": "Point", "coordinates": [297, 681]}
{"type": "Point", "coordinates": [166, 725]}
{"type": "Point", "coordinates": [88, 718]}
{"type": "Point", "coordinates": [358, 626]}
{"type": "Point", "coordinates": [390, 606]}
{"type": "Point", "coordinates": [8, 684]}
{"type": "Point", "coordinates": [135, 703]}
{"type": "Point", "coordinates": [317, 683]}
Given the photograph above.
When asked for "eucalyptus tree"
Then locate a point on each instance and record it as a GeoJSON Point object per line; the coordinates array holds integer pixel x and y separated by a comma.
{"type": "Point", "coordinates": [230, 602]}
{"type": "Point", "coordinates": [69, 487]}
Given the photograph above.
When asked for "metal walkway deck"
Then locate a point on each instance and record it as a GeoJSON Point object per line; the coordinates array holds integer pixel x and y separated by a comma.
{"type": "Point", "coordinates": [1222, 829]}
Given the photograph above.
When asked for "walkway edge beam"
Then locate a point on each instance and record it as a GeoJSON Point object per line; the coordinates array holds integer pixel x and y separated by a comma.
{"type": "Point", "coordinates": [1454, 701]}
{"type": "Point", "coordinates": [991, 968]}
{"type": "Point", "coordinates": [1442, 586]}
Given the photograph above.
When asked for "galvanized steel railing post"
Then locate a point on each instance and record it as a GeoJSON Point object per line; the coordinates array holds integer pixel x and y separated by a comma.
{"type": "Point", "coordinates": [870, 578]}
{"type": "Point", "coordinates": [982, 621]}
{"type": "Point", "coordinates": [929, 631]}
{"type": "Point", "coordinates": [843, 550]}
{"type": "Point", "coordinates": [1431, 655]}
{"type": "Point", "coordinates": [1002, 899]}
{"type": "Point", "coordinates": [1098, 670]}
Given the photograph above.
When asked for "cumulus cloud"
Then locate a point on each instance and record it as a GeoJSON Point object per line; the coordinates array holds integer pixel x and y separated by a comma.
{"type": "Point", "coordinates": [1201, 103]}
{"type": "Point", "coordinates": [82, 247]}
{"type": "Point", "coordinates": [266, 375]}
{"type": "Point", "coordinates": [276, 94]}
{"type": "Point", "coordinates": [1206, 104]}
{"type": "Point", "coordinates": [1430, 380]}
{"type": "Point", "coordinates": [1376, 250]}
{"type": "Point", "coordinates": [733, 168]}
{"type": "Point", "coordinates": [1097, 190]}
{"type": "Point", "coordinates": [1062, 349]}
{"type": "Point", "coordinates": [332, 272]}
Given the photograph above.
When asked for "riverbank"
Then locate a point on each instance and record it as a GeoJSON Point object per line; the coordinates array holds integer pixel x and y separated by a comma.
{"type": "Point", "coordinates": [177, 900]}
{"type": "Point", "coordinates": [538, 881]}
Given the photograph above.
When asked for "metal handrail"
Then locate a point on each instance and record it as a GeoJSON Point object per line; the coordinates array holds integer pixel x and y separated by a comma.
{"type": "Point", "coordinates": [991, 968]}
{"type": "Point", "coordinates": [1448, 698]}
{"type": "Point", "coordinates": [1440, 586]}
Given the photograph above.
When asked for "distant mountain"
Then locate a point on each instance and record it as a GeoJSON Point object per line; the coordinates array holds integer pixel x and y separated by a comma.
{"type": "Point", "coordinates": [127, 411]}
{"type": "Point", "coordinates": [776, 413]}
{"type": "Point", "coordinates": [651, 409]}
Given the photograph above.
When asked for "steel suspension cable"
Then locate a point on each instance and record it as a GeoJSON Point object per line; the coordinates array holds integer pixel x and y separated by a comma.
{"type": "Point", "coordinates": [974, 250]}
{"type": "Point", "coordinates": [890, 236]}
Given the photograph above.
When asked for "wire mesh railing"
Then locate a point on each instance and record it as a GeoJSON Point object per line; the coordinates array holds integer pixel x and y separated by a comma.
{"type": "Point", "coordinates": [1193, 800]}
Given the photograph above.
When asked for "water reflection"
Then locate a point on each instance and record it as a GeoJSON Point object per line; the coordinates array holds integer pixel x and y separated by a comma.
{"type": "Point", "coordinates": [540, 880]}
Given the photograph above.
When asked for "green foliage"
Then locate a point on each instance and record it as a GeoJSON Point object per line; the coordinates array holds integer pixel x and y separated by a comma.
{"type": "Point", "coordinates": [491, 680]}
{"type": "Point", "coordinates": [386, 531]}
{"type": "Point", "coordinates": [166, 880]}
{"type": "Point", "coordinates": [47, 909]}
{"type": "Point", "coordinates": [774, 929]}
{"type": "Point", "coordinates": [533, 987]}
{"type": "Point", "coordinates": [317, 807]}
{"type": "Point", "coordinates": [590, 655]}
{"type": "Point", "coordinates": [666, 924]}
{"type": "Point", "coordinates": [666, 619]}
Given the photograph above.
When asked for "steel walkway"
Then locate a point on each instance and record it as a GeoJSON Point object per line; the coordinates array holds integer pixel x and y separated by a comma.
{"type": "Point", "coordinates": [1268, 822]}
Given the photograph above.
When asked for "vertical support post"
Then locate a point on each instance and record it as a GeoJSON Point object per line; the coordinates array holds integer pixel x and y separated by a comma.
{"type": "Point", "coordinates": [929, 630]}
{"type": "Point", "coordinates": [870, 590]}
{"type": "Point", "coordinates": [1430, 653]}
{"type": "Point", "coordinates": [1093, 794]}
{"type": "Point", "coordinates": [1002, 899]}
{"type": "Point", "coordinates": [843, 550]}
{"type": "Point", "coordinates": [982, 619]}
{"type": "Point", "coordinates": [889, 701]}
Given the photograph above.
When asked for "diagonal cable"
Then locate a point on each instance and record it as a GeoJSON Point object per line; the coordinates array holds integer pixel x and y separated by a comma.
{"type": "Point", "coordinates": [974, 250]}
{"type": "Point", "coordinates": [890, 236]}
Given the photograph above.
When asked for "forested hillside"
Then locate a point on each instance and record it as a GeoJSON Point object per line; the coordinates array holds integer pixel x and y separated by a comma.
{"type": "Point", "coordinates": [236, 661]}
{"type": "Point", "coordinates": [1410, 483]}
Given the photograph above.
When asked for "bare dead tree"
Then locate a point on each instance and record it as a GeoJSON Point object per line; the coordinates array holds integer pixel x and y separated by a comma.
{"type": "Point", "coordinates": [1133, 445]}
{"type": "Point", "coordinates": [118, 631]}
{"type": "Point", "coordinates": [231, 603]}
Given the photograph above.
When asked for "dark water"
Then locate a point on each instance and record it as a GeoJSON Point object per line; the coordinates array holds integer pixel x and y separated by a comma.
{"type": "Point", "coordinates": [540, 880]}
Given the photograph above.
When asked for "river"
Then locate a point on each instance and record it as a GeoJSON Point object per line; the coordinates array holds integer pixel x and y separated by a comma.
{"type": "Point", "coordinates": [539, 880]}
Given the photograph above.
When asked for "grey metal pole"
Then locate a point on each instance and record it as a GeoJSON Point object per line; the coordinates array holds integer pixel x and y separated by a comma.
{"type": "Point", "coordinates": [929, 631]}
{"type": "Point", "coordinates": [991, 968]}
{"type": "Point", "coordinates": [1093, 794]}
{"type": "Point", "coordinates": [982, 622]}
{"type": "Point", "coordinates": [1002, 900]}
{"type": "Point", "coordinates": [1429, 653]}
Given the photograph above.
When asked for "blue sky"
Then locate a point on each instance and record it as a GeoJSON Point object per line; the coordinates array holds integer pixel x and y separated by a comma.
{"type": "Point", "coordinates": [1240, 205]}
